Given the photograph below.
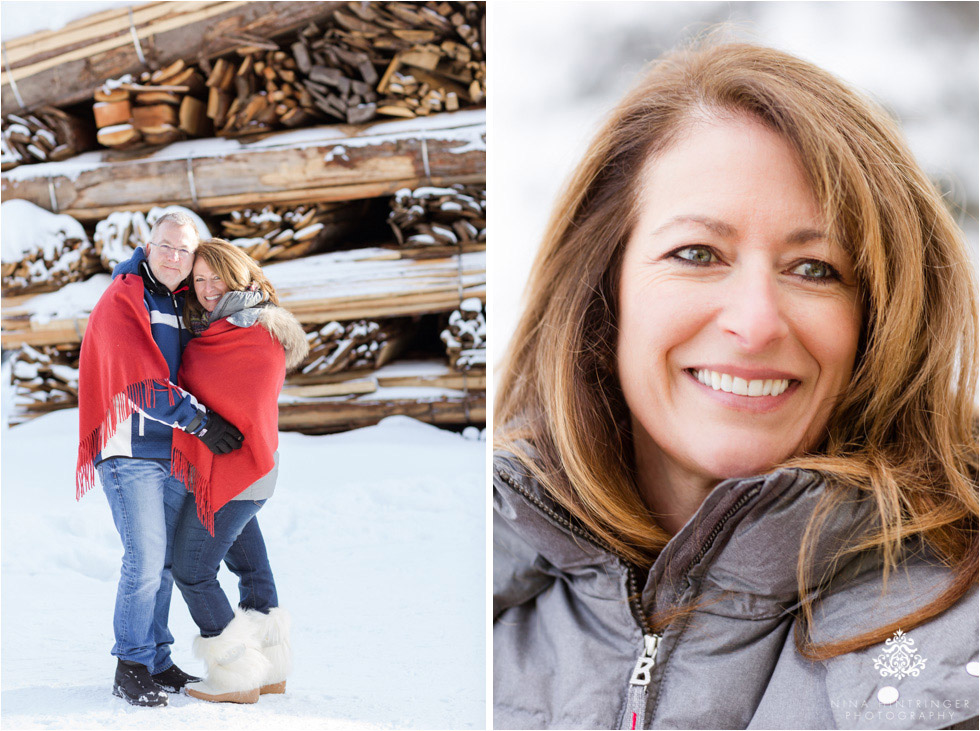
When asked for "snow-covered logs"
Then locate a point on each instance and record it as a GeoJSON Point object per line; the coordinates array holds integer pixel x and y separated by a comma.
{"type": "Point", "coordinates": [465, 336]}
{"type": "Point", "coordinates": [47, 135]}
{"type": "Point", "coordinates": [430, 216]}
{"type": "Point", "coordinates": [44, 379]}
{"type": "Point", "coordinates": [286, 232]}
{"type": "Point", "coordinates": [42, 251]}
{"type": "Point", "coordinates": [362, 344]}
{"type": "Point", "coordinates": [161, 107]}
{"type": "Point", "coordinates": [117, 236]}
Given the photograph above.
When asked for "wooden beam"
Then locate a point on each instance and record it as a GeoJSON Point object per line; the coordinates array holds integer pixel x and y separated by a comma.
{"type": "Point", "coordinates": [340, 414]}
{"type": "Point", "coordinates": [63, 67]}
{"type": "Point", "coordinates": [307, 166]}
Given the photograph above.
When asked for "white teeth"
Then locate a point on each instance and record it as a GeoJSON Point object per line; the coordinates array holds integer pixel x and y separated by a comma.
{"type": "Point", "coordinates": [740, 386]}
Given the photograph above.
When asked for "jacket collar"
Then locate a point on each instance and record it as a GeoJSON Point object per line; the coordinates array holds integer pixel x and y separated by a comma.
{"type": "Point", "coordinates": [744, 539]}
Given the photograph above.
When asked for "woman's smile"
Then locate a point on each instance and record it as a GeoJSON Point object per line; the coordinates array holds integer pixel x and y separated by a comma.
{"type": "Point", "coordinates": [768, 392]}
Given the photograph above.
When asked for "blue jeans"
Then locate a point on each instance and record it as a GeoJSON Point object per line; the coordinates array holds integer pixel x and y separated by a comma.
{"type": "Point", "coordinates": [146, 502]}
{"type": "Point", "coordinates": [238, 542]}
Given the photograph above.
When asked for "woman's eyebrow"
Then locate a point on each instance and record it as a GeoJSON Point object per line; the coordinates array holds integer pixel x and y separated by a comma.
{"type": "Point", "coordinates": [713, 224]}
{"type": "Point", "coordinates": [727, 230]}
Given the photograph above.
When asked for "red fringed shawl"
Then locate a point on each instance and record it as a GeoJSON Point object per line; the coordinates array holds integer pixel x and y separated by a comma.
{"type": "Point", "coordinates": [119, 366]}
{"type": "Point", "coordinates": [238, 372]}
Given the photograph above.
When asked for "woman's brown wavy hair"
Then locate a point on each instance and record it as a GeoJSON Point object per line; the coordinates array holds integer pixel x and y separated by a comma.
{"type": "Point", "coordinates": [905, 429]}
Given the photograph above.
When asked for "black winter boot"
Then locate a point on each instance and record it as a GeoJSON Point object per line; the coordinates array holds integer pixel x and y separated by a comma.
{"type": "Point", "coordinates": [173, 679]}
{"type": "Point", "coordinates": [134, 685]}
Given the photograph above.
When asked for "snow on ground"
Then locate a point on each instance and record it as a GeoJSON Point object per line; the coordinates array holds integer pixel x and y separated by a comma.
{"type": "Point", "coordinates": [376, 537]}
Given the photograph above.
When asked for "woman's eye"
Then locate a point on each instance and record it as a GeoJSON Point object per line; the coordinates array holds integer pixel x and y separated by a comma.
{"type": "Point", "coordinates": [696, 255]}
{"type": "Point", "coordinates": [816, 270]}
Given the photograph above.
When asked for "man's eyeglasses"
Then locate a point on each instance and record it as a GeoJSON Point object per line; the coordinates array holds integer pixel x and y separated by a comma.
{"type": "Point", "coordinates": [169, 251]}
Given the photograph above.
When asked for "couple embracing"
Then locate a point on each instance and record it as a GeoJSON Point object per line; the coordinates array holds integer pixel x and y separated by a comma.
{"type": "Point", "coordinates": [181, 366]}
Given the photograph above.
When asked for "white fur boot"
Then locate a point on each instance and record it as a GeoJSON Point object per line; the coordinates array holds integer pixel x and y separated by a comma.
{"type": "Point", "coordinates": [235, 661]}
{"type": "Point", "coordinates": [272, 631]}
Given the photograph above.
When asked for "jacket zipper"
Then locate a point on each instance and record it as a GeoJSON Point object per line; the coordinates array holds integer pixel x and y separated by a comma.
{"type": "Point", "coordinates": [637, 697]}
{"type": "Point", "coordinates": [639, 686]}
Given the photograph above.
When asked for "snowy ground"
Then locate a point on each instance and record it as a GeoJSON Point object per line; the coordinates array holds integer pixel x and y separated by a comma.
{"type": "Point", "coordinates": [376, 537]}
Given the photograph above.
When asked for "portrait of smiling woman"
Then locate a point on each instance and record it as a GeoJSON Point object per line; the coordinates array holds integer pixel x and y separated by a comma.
{"type": "Point", "coordinates": [735, 472]}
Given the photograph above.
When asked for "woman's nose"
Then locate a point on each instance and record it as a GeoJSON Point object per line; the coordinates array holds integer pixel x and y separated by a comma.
{"type": "Point", "coordinates": [753, 314]}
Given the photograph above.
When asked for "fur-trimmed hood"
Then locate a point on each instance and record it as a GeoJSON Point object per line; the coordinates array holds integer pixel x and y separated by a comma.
{"type": "Point", "coordinates": [285, 328]}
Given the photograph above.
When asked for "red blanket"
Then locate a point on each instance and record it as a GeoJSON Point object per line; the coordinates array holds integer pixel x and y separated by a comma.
{"type": "Point", "coordinates": [238, 372]}
{"type": "Point", "coordinates": [118, 368]}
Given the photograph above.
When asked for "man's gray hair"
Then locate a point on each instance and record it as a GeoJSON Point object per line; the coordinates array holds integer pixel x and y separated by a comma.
{"type": "Point", "coordinates": [174, 218]}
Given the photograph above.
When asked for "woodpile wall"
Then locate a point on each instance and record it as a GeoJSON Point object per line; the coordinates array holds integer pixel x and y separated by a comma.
{"type": "Point", "coordinates": [340, 144]}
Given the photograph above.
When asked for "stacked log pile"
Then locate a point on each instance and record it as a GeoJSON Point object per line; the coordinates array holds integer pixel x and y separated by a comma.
{"type": "Point", "coordinates": [274, 233]}
{"type": "Point", "coordinates": [257, 93]}
{"type": "Point", "coordinates": [42, 251]}
{"type": "Point", "coordinates": [355, 346]}
{"type": "Point", "coordinates": [393, 59]}
{"type": "Point", "coordinates": [429, 216]}
{"type": "Point", "coordinates": [44, 379]}
{"type": "Point", "coordinates": [293, 201]}
{"type": "Point", "coordinates": [46, 135]}
{"type": "Point", "coordinates": [161, 107]}
{"type": "Point", "coordinates": [465, 336]}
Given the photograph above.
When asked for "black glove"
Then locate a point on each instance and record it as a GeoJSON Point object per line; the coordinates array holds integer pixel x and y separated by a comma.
{"type": "Point", "coordinates": [219, 435]}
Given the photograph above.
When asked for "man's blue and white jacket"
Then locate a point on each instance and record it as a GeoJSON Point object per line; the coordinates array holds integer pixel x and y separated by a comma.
{"type": "Point", "coordinates": [148, 433]}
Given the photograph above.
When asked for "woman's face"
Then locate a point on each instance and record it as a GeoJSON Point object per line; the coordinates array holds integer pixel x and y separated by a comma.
{"type": "Point", "coordinates": [208, 286]}
{"type": "Point", "coordinates": [739, 319]}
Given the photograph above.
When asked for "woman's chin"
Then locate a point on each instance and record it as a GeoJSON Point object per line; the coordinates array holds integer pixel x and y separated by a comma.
{"type": "Point", "coordinates": [723, 464]}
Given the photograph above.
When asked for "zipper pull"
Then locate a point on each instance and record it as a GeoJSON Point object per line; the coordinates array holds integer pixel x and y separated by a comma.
{"type": "Point", "coordinates": [646, 660]}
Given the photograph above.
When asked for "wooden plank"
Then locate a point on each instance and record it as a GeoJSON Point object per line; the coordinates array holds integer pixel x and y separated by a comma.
{"type": "Point", "coordinates": [342, 388]}
{"type": "Point", "coordinates": [256, 174]}
{"type": "Point", "coordinates": [419, 374]}
{"type": "Point", "coordinates": [342, 414]}
{"type": "Point", "coordinates": [48, 72]}
{"type": "Point", "coordinates": [475, 381]}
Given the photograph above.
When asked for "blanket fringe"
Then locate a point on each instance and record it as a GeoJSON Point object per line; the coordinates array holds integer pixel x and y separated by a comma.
{"type": "Point", "coordinates": [136, 396]}
{"type": "Point", "coordinates": [183, 470]}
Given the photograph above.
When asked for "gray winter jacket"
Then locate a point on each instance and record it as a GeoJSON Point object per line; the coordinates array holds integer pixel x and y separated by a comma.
{"type": "Point", "coordinates": [569, 651]}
